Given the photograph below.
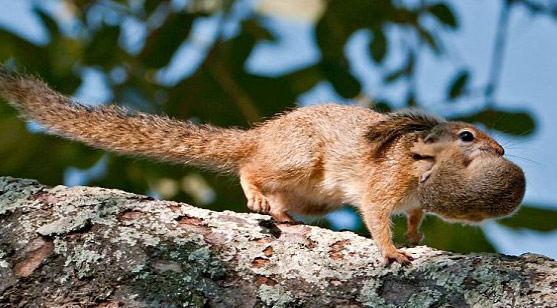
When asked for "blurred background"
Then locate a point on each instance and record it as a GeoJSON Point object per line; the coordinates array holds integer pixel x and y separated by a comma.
{"type": "Point", "coordinates": [233, 63]}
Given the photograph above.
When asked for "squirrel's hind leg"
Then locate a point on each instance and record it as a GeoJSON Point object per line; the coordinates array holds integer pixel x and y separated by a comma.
{"type": "Point", "coordinates": [413, 221]}
{"type": "Point", "coordinates": [259, 202]}
{"type": "Point", "coordinates": [279, 208]}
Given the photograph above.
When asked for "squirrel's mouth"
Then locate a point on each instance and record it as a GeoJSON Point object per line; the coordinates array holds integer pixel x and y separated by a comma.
{"type": "Point", "coordinates": [472, 219]}
{"type": "Point", "coordinates": [487, 150]}
{"type": "Point", "coordinates": [492, 150]}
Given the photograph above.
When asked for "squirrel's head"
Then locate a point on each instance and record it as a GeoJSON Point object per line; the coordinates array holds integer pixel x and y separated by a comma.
{"type": "Point", "coordinates": [471, 140]}
{"type": "Point", "coordinates": [486, 186]}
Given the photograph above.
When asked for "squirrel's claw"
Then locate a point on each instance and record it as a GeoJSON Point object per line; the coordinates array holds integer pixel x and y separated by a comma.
{"type": "Point", "coordinates": [400, 257]}
{"type": "Point", "coordinates": [258, 203]}
{"type": "Point", "coordinates": [425, 176]}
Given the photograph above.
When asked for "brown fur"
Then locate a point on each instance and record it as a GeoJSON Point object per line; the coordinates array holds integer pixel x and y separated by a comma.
{"type": "Point", "coordinates": [308, 161]}
{"type": "Point", "coordinates": [469, 181]}
{"type": "Point", "coordinates": [123, 131]}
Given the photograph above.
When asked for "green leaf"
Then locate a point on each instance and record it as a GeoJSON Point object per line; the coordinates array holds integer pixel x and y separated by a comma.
{"type": "Point", "coordinates": [24, 52]}
{"type": "Point", "coordinates": [429, 39]}
{"type": "Point", "coordinates": [411, 99]}
{"type": "Point", "coordinates": [238, 50]}
{"type": "Point", "coordinates": [162, 43]}
{"type": "Point", "coordinates": [458, 84]}
{"type": "Point", "coordinates": [257, 31]}
{"type": "Point", "coordinates": [532, 218]}
{"type": "Point", "coordinates": [382, 105]}
{"type": "Point", "coordinates": [102, 49]}
{"type": "Point", "coordinates": [50, 24]}
{"type": "Point", "coordinates": [39, 156]}
{"type": "Point", "coordinates": [344, 83]}
{"type": "Point", "coordinates": [379, 45]}
{"type": "Point", "coordinates": [404, 71]}
{"type": "Point", "coordinates": [394, 75]}
{"type": "Point", "coordinates": [304, 79]}
{"type": "Point", "coordinates": [444, 14]}
{"type": "Point", "coordinates": [518, 123]}
{"type": "Point", "coordinates": [151, 5]}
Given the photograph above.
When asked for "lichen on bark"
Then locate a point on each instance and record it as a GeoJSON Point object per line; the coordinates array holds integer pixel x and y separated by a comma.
{"type": "Point", "coordinates": [90, 246]}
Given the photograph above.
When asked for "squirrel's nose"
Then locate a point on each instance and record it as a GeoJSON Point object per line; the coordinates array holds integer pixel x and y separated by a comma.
{"type": "Point", "coordinates": [497, 148]}
{"type": "Point", "coordinates": [494, 147]}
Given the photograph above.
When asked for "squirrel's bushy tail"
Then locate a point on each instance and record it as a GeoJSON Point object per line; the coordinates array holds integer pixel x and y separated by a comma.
{"type": "Point", "coordinates": [116, 129]}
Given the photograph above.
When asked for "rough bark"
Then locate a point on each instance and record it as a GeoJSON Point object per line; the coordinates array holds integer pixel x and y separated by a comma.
{"type": "Point", "coordinates": [86, 246]}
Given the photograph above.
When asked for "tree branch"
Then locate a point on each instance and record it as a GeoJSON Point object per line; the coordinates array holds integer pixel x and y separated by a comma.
{"type": "Point", "coordinates": [89, 246]}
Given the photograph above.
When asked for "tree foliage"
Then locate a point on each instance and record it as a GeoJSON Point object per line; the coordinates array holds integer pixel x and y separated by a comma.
{"type": "Point", "coordinates": [223, 92]}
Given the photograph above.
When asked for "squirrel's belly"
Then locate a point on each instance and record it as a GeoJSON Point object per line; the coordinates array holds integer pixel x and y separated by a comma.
{"type": "Point", "coordinates": [313, 200]}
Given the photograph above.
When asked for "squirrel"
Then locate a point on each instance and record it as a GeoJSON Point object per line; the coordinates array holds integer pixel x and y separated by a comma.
{"type": "Point", "coordinates": [310, 160]}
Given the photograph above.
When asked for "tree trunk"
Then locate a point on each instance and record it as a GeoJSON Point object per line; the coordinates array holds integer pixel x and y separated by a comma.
{"type": "Point", "coordinates": [86, 246]}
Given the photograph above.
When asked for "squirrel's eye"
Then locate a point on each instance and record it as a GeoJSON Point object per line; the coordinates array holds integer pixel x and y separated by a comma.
{"type": "Point", "coordinates": [466, 136]}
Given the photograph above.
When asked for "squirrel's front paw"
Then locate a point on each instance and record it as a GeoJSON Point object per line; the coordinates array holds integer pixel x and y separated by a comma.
{"type": "Point", "coordinates": [258, 203]}
{"type": "Point", "coordinates": [425, 176]}
{"type": "Point", "coordinates": [422, 149]}
{"type": "Point", "coordinates": [398, 256]}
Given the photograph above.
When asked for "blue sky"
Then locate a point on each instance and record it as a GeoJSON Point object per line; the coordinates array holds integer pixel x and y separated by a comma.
{"type": "Point", "coordinates": [528, 81]}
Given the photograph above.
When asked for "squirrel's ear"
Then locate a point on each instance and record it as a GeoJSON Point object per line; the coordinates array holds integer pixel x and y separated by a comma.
{"type": "Point", "coordinates": [397, 124]}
